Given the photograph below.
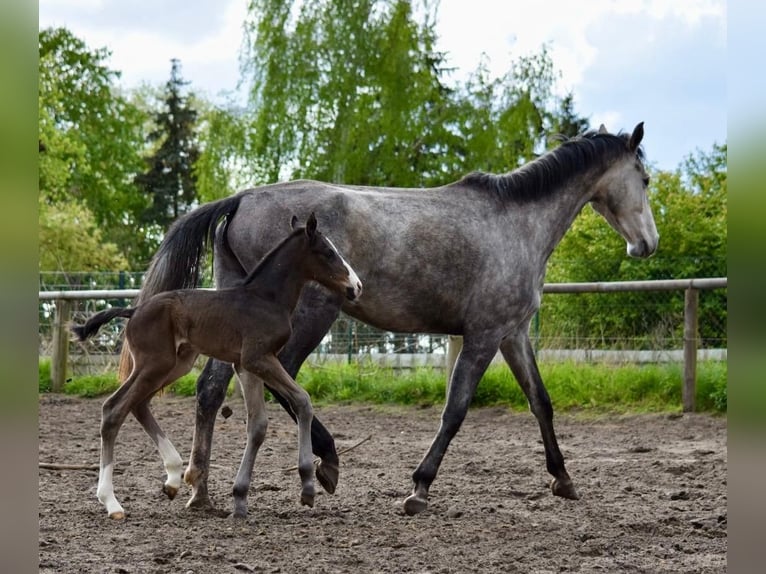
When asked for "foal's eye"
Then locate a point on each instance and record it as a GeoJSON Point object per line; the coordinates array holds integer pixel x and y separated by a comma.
{"type": "Point", "coordinates": [646, 180]}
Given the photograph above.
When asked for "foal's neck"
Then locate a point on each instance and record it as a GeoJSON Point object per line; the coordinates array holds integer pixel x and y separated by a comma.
{"type": "Point", "coordinates": [279, 277]}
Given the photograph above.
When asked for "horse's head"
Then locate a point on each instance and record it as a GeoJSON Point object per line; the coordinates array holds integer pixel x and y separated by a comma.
{"type": "Point", "coordinates": [621, 198]}
{"type": "Point", "coordinates": [325, 264]}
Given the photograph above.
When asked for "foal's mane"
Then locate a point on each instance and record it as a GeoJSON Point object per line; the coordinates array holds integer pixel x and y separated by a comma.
{"type": "Point", "coordinates": [270, 256]}
{"type": "Point", "coordinates": [543, 175]}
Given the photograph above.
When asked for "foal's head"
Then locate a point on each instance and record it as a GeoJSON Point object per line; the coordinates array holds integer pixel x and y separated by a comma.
{"type": "Point", "coordinates": [324, 264]}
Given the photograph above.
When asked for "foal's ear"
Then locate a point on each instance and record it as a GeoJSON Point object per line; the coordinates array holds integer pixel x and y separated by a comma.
{"type": "Point", "coordinates": [636, 137]}
{"type": "Point", "coordinates": [293, 222]}
{"type": "Point", "coordinates": [602, 129]}
{"type": "Point", "coordinates": [311, 226]}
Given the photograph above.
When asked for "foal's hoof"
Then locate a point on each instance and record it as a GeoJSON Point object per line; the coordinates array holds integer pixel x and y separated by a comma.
{"type": "Point", "coordinates": [564, 489]}
{"type": "Point", "coordinates": [170, 491]}
{"type": "Point", "coordinates": [415, 504]}
{"type": "Point", "coordinates": [327, 475]}
{"type": "Point", "coordinates": [119, 515]}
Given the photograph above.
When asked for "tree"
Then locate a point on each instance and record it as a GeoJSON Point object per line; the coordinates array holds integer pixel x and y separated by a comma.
{"type": "Point", "coordinates": [565, 122]}
{"type": "Point", "coordinates": [90, 137]}
{"type": "Point", "coordinates": [170, 181]}
{"type": "Point", "coordinates": [70, 240]}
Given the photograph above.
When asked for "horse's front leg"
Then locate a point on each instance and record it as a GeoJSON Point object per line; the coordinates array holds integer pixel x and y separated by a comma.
{"type": "Point", "coordinates": [257, 423]}
{"type": "Point", "coordinates": [473, 360]}
{"type": "Point", "coordinates": [211, 391]}
{"type": "Point", "coordinates": [518, 353]}
{"type": "Point", "coordinates": [300, 402]}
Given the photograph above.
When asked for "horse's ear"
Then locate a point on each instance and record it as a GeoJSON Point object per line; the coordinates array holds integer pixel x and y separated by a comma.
{"type": "Point", "coordinates": [602, 129]}
{"type": "Point", "coordinates": [311, 226]}
{"type": "Point", "coordinates": [636, 137]}
{"type": "Point", "coordinates": [293, 222]}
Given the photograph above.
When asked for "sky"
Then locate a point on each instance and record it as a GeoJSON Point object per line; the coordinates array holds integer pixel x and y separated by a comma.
{"type": "Point", "coordinates": [663, 62]}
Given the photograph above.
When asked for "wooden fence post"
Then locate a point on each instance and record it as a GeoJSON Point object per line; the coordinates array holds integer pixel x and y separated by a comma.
{"type": "Point", "coordinates": [60, 344]}
{"type": "Point", "coordinates": [691, 300]}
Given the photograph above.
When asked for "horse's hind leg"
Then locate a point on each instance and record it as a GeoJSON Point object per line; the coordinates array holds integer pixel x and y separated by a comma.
{"type": "Point", "coordinates": [257, 423]}
{"type": "Point", "coordinates": [211, 391]}
{"type": "Point", "coordinates": [312, 318]}
{"type": "Point", "coordinates": [519, 355]}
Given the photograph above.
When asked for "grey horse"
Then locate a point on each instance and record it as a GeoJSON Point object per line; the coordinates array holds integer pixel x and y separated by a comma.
{"type": "Point", "coordinates": [467, 258]}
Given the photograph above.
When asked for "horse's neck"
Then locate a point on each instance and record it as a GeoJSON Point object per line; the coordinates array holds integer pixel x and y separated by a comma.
{"type": "Point", "coordinates": [549, 218]}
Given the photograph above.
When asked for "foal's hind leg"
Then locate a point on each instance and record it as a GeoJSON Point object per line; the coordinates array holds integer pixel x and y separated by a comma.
{"type": "Point", "coordinates": [140, 385]}
{"type": "Point", "coordinates": [170, 457]}
{"type": "Point", "coordinates": [519, 355]}
{"type": "Point", "coordinates": [257, 423]}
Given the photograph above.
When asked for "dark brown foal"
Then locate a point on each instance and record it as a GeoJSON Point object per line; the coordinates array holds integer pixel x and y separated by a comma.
{"type": "Point", "coordinates": [246, 326]}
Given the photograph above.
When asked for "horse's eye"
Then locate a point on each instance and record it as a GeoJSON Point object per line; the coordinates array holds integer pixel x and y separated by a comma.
{"type": "Point", "coordinates": [646, 180]}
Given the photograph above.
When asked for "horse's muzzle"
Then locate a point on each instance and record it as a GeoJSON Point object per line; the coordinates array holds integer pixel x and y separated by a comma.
{"type": "Point", "coordinates": [642, 249]}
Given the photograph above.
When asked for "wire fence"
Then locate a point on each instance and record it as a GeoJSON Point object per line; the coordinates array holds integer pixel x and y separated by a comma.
{"type": "Point", "coordinates": [632, 320]}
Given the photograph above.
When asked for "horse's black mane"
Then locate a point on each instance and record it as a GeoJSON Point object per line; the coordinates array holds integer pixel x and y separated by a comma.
{"type": "Point", "coordinates": [541, 176]}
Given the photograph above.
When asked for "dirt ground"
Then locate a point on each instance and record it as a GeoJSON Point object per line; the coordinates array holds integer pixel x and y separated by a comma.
{"type": "Point", "coordinates": [653, 493]}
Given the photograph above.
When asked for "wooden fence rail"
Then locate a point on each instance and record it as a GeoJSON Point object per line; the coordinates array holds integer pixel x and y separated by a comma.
{"type": "Point", "coordinates": [63, 303]}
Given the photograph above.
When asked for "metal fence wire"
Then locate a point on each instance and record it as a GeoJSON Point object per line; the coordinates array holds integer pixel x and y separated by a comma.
{"type": "Point", "coordinates": [640, 320]}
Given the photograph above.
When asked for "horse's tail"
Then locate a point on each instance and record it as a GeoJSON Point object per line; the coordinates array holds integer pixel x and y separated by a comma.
{"type": "Point", "coordinates": [93, 324]}
{"type": "Point", "coordinates": [180, 258]}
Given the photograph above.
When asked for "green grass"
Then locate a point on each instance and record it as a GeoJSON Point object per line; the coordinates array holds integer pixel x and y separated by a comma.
{"type": "Point", "coordinates": [572, 386]}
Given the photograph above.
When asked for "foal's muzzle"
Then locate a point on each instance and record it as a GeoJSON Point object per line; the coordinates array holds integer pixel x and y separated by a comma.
{"type": "Point", "coordinates": [353, 293]}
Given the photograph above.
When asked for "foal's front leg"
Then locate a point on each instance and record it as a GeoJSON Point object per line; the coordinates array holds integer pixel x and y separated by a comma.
{"type": "Point", "coordinates": [300, 402]}
{"type": "Point", "coordinates": [257, 422]}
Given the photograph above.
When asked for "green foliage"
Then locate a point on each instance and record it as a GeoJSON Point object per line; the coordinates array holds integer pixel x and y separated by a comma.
{"type": "Point", "coordinates": [90, 137]}
{"type": "Point", "coordinates": [357, 93]}
{"type": "Point", "coordinates": [69, 238]}
{"type": "Point", "coordinates": [44, 376]}
{"type": "Point", "coordinates": [91, 386]}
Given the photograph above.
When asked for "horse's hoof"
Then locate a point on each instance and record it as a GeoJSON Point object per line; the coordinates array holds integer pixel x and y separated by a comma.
{"type": "Point", "coordinates": [564, 489]}
{"type": "Point", "coordinates": [327, 475]}
{"type": "Point", "coordinates": [170, 491]}
{"type": "Point", "coordinates": [415, 504]}
{"type": "Point", "coordinates": [118, 515]}
{"type": "Point", "coordinates": [307, 499]}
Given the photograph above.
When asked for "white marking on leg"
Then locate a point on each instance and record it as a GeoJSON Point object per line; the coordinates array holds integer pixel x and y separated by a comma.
{"type": "Point", "coordinates": [105, 492]}
{"type": "Point", "coordinates": [172, 461]}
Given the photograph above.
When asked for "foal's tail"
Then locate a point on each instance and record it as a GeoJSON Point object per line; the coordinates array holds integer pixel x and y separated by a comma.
{"type": "Point", "coordinates": [93, 324]}
{"type": "Point", "coordinates": [180, 258]}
